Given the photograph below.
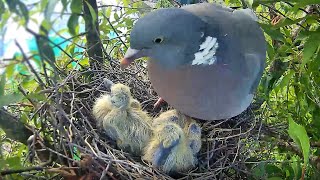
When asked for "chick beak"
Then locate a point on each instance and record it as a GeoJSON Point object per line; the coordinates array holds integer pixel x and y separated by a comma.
{"type": "Point", "coordinates": [130, 56]}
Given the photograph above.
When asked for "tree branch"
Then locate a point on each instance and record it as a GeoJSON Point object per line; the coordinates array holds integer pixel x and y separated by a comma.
{"type": "Point", "coordinates": [94, 46]}
{"type": "Point", "coordinates": [13, 127]}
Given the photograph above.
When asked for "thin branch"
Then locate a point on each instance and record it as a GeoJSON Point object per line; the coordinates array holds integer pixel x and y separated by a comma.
{"type": "Point", "coordinates": [125, 7]}
{"type": "Point", "coordinates": [114, 29]}
{"type": "Point", "coordinates": [35, 168]}
{"type": "Point", "coordinates": [279, 12]}
{"type": "Point", "coordinates": [30, 66]}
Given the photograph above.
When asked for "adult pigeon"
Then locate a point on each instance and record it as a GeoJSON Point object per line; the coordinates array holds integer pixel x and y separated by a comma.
{"type": "Point", "coordinates": [206, 60]}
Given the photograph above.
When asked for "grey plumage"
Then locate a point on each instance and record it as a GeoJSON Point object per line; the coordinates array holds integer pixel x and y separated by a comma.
{"type": "Point", "coordinates": [205, 60]}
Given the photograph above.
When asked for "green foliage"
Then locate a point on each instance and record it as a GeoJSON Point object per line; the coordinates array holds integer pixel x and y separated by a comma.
{"type": "Point", "coordinates": [2, 8]}
{"type": "Point", "coordinates": [266, 171]}
{"type": "Point", "coordinates": [73, 23]}
{"type": "Point", "coordinates": [290, 85]}
{"type": "Point", "coordinates": [10, 99]}
{"type": "Point", "coordinates": [76, 6]}
{"type": "Point", "coordinates": [93, 13]}
{"type": "Point", "coordinates": [163, 4]}
{"type": "Point", "coordinates": [2, 84]}
{"type": "Point", "coordinates": [299, 135]}
{"type": "Point", "coordinates": [310, 47]}
{"type": "Point", "coordinates": [298, 2]}
{"type": "Point", "coordinates": [6, 99]}
{"type": "Point", "coordinates": [287, 169]}
{"type": "Point", "coordinates": [19, 8]}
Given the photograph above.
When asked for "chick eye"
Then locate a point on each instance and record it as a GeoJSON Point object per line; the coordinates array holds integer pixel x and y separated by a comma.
{"type": "Point", "coordinates": [158, 40]}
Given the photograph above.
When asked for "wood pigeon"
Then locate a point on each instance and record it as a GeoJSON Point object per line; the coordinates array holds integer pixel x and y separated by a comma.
{"type": "Point", "coordinates": [206, 60]}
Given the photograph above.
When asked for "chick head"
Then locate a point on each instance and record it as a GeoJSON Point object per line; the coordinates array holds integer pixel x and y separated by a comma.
{"type": "Point", "coordinates": [120, 95]}
{"type": "Point", "coordinates": [169, 134]}
{"type": "Point", "coordinates": [170, 116]}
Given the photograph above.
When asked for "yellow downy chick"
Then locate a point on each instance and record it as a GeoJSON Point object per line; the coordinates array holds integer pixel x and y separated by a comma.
{"type": "Point", "coordinates": [124, 121]}
{"type": "Point", "coordinates": [189, 126]}
{"type": "Point", "coordinates": [175, 143]}
{"type": "Point", "coordinates": [169, 149]}
{"type": "Point", "coordinates": [103, 106]}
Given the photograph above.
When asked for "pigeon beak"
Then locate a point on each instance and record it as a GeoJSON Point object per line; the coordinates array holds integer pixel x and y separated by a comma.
{"type": "Point", "coordinates": [130, 56]}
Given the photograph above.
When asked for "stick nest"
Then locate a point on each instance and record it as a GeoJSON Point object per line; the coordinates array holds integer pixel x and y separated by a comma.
{"type": "Point", "coordinates": [79, 145]}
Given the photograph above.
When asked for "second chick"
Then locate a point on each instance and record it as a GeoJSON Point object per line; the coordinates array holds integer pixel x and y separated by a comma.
{"type": "Point", "coordinates": [175, 143]}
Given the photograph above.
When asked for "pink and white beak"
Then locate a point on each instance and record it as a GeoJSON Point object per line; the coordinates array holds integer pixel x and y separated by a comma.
{"type": "Point", "coordinates": [130, 56]}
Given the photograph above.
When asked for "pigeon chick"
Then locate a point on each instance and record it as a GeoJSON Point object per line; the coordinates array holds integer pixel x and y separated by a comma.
{"type": "Point", "coordinates": [189, 126]}
{"type": "Point", "coordinates": [123, 120]}
{"type": "Point", "coordinates": [169, 149]}
{"type": "Point", "coordinates": [103, 106]}
{"type": "Point", "coordinates": [175, 143]}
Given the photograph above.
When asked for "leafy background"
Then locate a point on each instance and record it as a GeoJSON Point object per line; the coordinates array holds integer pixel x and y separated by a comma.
{"type": "Point", "coordinates": [59, 33]}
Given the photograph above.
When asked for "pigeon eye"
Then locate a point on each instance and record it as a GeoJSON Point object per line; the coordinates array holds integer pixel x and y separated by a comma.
{"type": "Point", "coordinates": [158, 40]}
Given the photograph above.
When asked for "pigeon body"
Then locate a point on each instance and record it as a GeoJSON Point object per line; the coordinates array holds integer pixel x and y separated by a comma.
{"type": "Point", "coordinates": [205, 60]}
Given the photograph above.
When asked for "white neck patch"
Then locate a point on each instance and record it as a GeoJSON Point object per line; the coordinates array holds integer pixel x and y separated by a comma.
{"type": "Point", "coordinates": [206, 53]}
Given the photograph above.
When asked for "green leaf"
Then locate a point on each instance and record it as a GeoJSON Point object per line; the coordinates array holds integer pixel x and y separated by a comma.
{"type": "Point", "coordinates": [249, 3]}
{"type": "Point", "coordinates": [19, 8]}
{"type": "Point", "coordinates": [310, 47]}
{"type": "Point", "coordinates": [45, 27]}
{"type": "Point", "coordinates": [73, 23]}
{"type": "Point", "coordinates": [93, 13]}
{"type": "Point", "coordinates": [305, 2]}
{"type": "Point", "coordinates": [302, 2]}
{"type": "Point", "coordinates": [24, 11]}
{"type": "Point", "coordinates": [2, 84]}
{"type": "Point", "coordinates": [116, 16]}
{"type": "Point", "coordinates": [64, 4]}
{"type": "Point", "coordinates": [259, 171]}
{"type": "Point", "coordinates": [43, 4]}
{"type": "Point", "coordinates": [125, 2]}
{"type": "Point", "coordinates": [296, 167]}
{"type": "Point", "coordinates": [299, 135]}
{"type": "Point", "coordinates": [2, 8]}
{"type": "Point", "coordinates": [287, 22]}
{"type": "Point", "coordinates": [76, 154]}
{"type": "Point", "coordinates": [129, 22]}
{"type": "Point", "coordinates": [76, 6]}
{"type": "Point", "coordinates": [50, 9]}
{"type": "Point", "coordinates": [12, 5]}
{"type": "Point", "coordinates": [284, 81]}
{"type": "Point", "coordinates": [9, 99]}
{"type": "Point", "coordinates": [273, 33]}
{"type": "Point", "coordinates": [10, 69]}
{"type": "Point", "coordinates": [14, 162]}
{"type": "Point", "coordinates": [275, 178]}
{"type": "Point", "coordinates": [108, 11]}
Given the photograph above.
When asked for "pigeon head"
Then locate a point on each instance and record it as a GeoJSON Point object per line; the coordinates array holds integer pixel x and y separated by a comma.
{"type": "Point", "coordinates": [169, 37]}
{"type": "Point", "coordinates": [120, 96]}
